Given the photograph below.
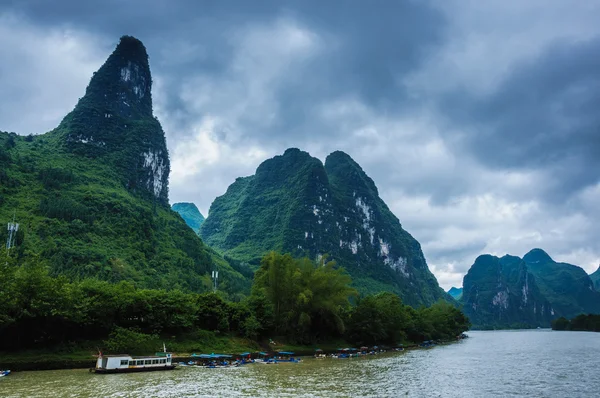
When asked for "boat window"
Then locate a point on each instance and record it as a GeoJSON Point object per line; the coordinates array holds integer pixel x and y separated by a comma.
{"type": "Point", "coordinates": [138, 363]}
{"type": "Point", "coordinates": [154, 361]}
{"type": "Point", "coordinates": [124, 362]}
{"type": "Point", "coordinates": [131, 363]}
{"type": "Point", "coordinates": [163, 361]}
{"type": "Point", "coordinates": [148, 361]}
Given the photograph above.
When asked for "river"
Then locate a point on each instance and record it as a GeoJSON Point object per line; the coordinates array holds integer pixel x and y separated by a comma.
{"type": "Point", "coordinates": [533, 363]}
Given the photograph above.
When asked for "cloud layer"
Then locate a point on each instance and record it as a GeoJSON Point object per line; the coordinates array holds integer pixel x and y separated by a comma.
{"type": "Point", "coordinates": [478, 121]}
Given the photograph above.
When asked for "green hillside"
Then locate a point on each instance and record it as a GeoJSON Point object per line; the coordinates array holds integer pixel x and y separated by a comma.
{"type": "Point", "coordinates": [294, 203]}
{"type": "Point", "coordinates": [567, 287]}
{"type": "Point", "coordinates": [91, 196]}
{"type": "Point", "coordinates": [190, 214]}
{"type": "Point", "coordinates": [529, 292]}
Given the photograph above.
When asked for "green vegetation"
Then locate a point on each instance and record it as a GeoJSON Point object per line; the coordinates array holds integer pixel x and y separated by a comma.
{"type": "Point", "coordinates": [511, 292]}
{"type": "Point", "coordinates": [567, 287]}
{"type": "Point", "coordinates": [582, 322]}
{"type": "Point", "coordinates": [91, 196]}
{"type": "Point", "coordinates": [296, 204]}
{"type": "Point", "coordinates": [300, 300]}
{"type": "Point", "coordinates": [292, 300]}
{"type": "Point", "coordinates": [190, 214]}
{"type": "Point", "coordinates": [383, 319]}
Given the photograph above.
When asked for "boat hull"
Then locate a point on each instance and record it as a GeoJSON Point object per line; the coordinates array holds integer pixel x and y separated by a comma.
{"type": "Point", "coordinates": [134, 370]}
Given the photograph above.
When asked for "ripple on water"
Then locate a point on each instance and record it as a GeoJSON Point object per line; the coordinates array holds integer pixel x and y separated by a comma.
{"type": "Point", "coordinates": [489, 364]}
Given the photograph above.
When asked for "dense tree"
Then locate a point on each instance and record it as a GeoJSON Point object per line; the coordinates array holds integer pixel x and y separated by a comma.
{"type": "Point", "coordinates": [384, 319]}
{"type": "Point", "coordinates": [561, 323]}
{"type": "Point", "coordinates": [295, 299]}
{"type": "Point", "coordinates": [582, 322]}
{"type": "Point", "coordinates": [307, 299]}
{"type": "Point", "coordinates": [379, 319]}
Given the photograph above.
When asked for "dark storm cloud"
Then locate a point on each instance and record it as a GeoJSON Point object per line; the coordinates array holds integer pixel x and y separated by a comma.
{"type": "Point", "coordinates": [545, 115]}
{"type": "Point", "coordinates": [478, 121]}
{"type": "Point", "coordinates": [369, 47]}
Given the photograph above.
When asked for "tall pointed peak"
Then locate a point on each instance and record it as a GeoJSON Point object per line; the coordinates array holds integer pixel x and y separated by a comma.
{"type": "Point", "coordinates": [340, 166]}
{"type": "Point", "coordinates": [115, 117]}
{"type": "Point", "coordinates": [292, 160]}
{"type": "Point", "coordinates": [123, 84]}
{"type": "Point", "coordinates": [132, 47]}
{"type": "Point", "coordinates": [340, 156]}
{"type": "Point", "coordinates": [537, 256]}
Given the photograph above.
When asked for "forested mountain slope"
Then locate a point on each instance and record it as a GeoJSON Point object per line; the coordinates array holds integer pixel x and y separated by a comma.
{"type": "Point", "coordinates": [91, 196]}
{"type": "Point", "coordinates": [528, 292]}
{"type": "Point", "coordinates": [294, 203]}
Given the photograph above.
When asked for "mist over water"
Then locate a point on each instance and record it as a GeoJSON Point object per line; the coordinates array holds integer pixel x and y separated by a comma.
{"type": "Point", "coordinates": [535, 363]}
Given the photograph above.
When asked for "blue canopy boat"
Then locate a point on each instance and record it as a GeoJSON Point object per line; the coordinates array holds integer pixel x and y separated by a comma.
{"type": "Point", "coordinates": [288, 356]}
{"type": "Point", "coordinates": [4, 373]}
{"type": "Point", "coordinates": [213, 360]}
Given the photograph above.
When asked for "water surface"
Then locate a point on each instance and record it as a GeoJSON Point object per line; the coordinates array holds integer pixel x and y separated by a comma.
{"type": "Point", "coordinates": [536, 363]}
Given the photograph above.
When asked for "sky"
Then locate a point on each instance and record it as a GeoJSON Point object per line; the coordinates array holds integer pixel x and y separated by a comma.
{"type": "Point", "coordinates": [479, 121]}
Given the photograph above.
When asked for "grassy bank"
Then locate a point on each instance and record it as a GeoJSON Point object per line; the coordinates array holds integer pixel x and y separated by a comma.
{"type": "Point", "coordinates": [84, 355]}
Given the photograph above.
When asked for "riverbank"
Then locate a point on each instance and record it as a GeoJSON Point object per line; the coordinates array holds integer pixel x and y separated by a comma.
{"type": "Point", "coordinates": [84, 354]}
{"type": "Point", "coordinates": [84, 357]}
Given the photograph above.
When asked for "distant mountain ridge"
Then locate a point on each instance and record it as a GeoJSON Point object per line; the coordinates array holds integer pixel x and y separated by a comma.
{"type": "Point", "coordinates": [294, 203]}
{"type": "Point", "coordinates": [190, 214]}
{"type": "Point", "coordinates": [528, 292]}
{"type": "Point", "coordinates": [455, 292]}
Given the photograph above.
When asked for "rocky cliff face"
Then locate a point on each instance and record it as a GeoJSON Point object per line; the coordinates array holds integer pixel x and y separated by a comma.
{"type": "Point", "coordinates": [114, 120]}
{"type": "Point", "coordinates": [296, 204]}
{"type": "Point", "coordinates": [528, 292]}
{"type": "Point", "coordinates": [501, 292]}
{"type": "Point", "coordinates": [595, 277]}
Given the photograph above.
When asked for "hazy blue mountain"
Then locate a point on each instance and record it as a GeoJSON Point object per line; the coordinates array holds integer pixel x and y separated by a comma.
{"type": "Point", "coordinates": [190, 214]}
{"type": "Point", "coordinates": [455, 292]}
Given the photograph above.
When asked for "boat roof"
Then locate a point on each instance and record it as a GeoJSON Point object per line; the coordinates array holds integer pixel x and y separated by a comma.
{"type": "Point", "coordinates": [133, 357]}
{"type": "Point", "coordinates": [116, 355]}
{"type": "Point", "coordinates": [211, 356]}
{"type": "Point", "coordinates": [285, 352]}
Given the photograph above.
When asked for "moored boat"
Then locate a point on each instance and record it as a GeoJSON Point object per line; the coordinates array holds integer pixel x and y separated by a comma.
{"type": "Point", "coordinates": [287, 356]}
{"type": "Point", "coordinates": [128, 363]}
{"type": "Point", "coordinates": [4, 373]}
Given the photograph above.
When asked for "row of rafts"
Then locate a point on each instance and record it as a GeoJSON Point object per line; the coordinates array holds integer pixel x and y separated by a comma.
{"type": "Point", "coordinates": [238, 362]}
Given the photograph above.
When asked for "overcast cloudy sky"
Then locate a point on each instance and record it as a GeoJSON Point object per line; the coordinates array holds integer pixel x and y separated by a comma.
{"type": "Point", "coordinates": [478, 120]}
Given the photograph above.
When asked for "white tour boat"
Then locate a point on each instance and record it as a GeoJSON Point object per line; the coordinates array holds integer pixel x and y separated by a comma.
{"type": "Point", "coordinates": [128, 363]}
